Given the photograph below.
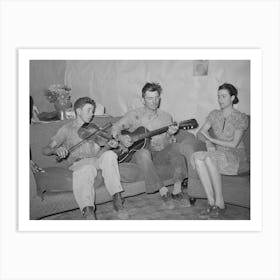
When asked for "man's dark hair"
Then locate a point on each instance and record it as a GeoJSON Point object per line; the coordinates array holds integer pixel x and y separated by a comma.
{"type": "Point", "coordinates": [151, 87]}
{"type": "Point", "coordinates": [81, 102]}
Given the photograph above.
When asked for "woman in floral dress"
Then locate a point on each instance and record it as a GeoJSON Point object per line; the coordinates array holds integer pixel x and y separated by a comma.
{"type": "Point", "coordinates": [225, 151]}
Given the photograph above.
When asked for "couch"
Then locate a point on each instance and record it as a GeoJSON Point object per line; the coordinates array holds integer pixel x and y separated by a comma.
{"type": "Point", "coordinates": [51, 191]}
{"type": "Point", "coordinates": [236, 188]}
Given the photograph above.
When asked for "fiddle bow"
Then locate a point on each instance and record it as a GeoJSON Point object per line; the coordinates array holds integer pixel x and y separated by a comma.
{"type": "Point", "coordinates": [97, 132]}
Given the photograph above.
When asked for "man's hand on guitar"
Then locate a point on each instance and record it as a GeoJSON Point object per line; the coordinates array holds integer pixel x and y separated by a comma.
{"type": "Point", "coordinates": [172, 129]}
{"type": "Point", "coordinates": [62, 152]}
{"type": "Point", "coordinates": [125, 140]}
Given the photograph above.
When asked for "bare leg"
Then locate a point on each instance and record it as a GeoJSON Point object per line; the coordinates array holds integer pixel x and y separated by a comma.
{"type": "Point", "coordinates": [216, 182]}
{"type": "Point", "coordinates": [205, 179]}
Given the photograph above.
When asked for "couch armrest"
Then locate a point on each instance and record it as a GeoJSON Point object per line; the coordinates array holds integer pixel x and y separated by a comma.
{"type": "Point", "coordinates": [33, 185]}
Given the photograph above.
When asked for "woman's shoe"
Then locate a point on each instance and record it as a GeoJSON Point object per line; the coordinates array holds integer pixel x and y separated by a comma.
{"type": "Point", "coordinates": [218, 212]}
{"type": "Point", "coordinates": [205, 213]}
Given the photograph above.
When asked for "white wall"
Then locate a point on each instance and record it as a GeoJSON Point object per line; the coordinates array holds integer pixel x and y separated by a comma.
{"type": "Point", "coordinates": [118, 84]}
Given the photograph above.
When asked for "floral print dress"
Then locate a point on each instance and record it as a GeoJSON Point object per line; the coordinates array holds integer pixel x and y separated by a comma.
{"type": "Point", "coordinates": [226, 159]}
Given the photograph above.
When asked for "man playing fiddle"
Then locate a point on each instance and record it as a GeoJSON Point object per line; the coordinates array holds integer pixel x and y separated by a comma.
{"type": "Point", "coordinates": [86, 160]}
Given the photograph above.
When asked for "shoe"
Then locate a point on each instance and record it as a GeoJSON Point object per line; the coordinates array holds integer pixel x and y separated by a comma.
{"type": "Point", "coordinates": [118, 201]}
{"type": "Point", "coordinates": [192, 201]}
{"type": "Point", "coordinates": [119, 208]}
{"type": "Point", "coordinates": [205, 213]}
{"type": "Point", "coordinates": [184, 185]}
{"type": "Point", "coordinates": [182, 198]}
{"type": "Point", "coordinates": [167, 201]}
{"type": "Point", "coordinates": [89, 213]}
{"type": "Point", "coordinates": [218, 212]}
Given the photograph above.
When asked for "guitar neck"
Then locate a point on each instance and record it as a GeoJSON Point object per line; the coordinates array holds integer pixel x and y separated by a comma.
{"type": "Point", "coordinates": [155, 132]}
{"type": "Point", "coordinates": [184, 124]}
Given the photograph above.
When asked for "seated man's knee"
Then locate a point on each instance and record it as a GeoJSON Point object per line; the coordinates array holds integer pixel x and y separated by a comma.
{"type": "Point", "coordinates": [208, 160]}
{"type": "Point", "coordinates": [85, 171]}
{"type": "Point", "coordinates": [186, 149]}
{"type": "Point", "coordinates": [198, 160]}
{"type": "Point", "coordinates": [143, 155]}
{"type": "Point", "coordinates": [109, 155]}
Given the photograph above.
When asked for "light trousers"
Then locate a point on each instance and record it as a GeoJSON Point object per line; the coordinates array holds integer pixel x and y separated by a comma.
{"type": "Point", "coordinates": [85, 172]}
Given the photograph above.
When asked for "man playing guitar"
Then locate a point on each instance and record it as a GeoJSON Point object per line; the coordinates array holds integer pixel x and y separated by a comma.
{"type": "Point", "coordinates": [161, 148]}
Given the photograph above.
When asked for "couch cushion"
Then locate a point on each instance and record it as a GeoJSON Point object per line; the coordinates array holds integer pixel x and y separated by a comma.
{"type": "Point", "coordinates": [59, 179]}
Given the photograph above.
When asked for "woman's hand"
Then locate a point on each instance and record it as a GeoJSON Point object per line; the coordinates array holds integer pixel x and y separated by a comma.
{"type": "Point", "coordinates": [210, 146]}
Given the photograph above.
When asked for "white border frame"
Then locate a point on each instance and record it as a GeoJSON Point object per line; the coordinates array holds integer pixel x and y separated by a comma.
{"type": "Point", "coordinates": [24, 57]}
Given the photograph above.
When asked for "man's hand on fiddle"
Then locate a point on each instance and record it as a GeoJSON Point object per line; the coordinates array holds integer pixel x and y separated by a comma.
{"type": "Point", "coordinates": [62, 152]}
{"type": "Point", "coordinates": [172, 129]}
{"type": "Point", "coordinates": [113, 143]}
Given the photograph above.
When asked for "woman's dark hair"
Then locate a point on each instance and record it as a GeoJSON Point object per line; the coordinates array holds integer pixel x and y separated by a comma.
{"type": "Point", "coordinates": [151, 87]}
{"type": "Point", "coordinates": [231, 90]}
{"type": "Point", "coordinates": [81, 102]}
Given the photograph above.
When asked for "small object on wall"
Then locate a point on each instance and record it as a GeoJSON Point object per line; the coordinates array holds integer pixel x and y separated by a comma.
{"type": "Point", "coordinates": [200, 67]}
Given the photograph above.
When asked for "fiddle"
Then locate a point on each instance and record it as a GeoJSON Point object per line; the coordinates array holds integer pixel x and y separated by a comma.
{"type": "Point", "coordinates": [90, 131]}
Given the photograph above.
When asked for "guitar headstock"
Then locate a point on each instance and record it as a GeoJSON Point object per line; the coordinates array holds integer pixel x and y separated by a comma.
{"type": "Point", "coordinates": [188, 124]}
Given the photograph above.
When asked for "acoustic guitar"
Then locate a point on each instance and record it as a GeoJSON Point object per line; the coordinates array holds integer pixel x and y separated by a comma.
{"type": "Point", "coordinates": [140, 138]}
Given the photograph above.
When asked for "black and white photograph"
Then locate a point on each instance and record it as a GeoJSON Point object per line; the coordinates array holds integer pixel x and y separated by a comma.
{"type": "Point", "coordinates": [140, 139]}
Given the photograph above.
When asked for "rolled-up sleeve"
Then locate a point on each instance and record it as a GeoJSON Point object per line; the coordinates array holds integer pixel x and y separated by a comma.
{"type": "Point", "coordinates": [123, 123]}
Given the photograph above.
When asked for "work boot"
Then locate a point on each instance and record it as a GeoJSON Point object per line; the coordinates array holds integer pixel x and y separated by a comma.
{"type": "Point", "coordinates": [167, 202]}
{"type": "Point", "coordinates": [118, 206]}
{"type": "Point", "coordinates": [184, 185]}
{"type": "Point", "coordinates": [182, 198]}
{"type": "Point", "coordinates": [89, 213]}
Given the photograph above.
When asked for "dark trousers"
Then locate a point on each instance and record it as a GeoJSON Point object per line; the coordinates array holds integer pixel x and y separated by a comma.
{"type": "Point", "coordinates": [148, 160]}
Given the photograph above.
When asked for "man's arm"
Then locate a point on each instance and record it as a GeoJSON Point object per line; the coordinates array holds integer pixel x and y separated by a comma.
{"type": "Point", "coordinates": [123, 123]}
{"type": "Point", "coordinates": [230, 143]}
{"type": "Point", "coordinates": [203, 130]}
{"type": "Point", "coordinates": [53, 148]}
